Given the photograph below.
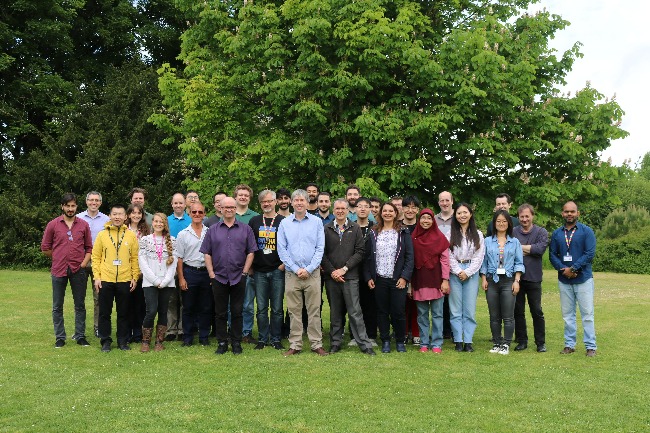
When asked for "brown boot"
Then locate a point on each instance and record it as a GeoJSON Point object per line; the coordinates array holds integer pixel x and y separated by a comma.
{"type": "Point", "coordinates": [146, 339]}
{"type": "Point", "coordinates": [160, 337]}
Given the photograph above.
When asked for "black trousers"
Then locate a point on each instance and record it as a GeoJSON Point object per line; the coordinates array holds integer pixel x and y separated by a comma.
{"type": "Point", "coordinates": [120, 293]}
{"type": "Point", "coordinates": [533, 291]}
{"type": "Point", "coordinates": [391, 309]}
{"type": "Point", "coordinates": [369, 309]}
{"type": "Point", "coordinates": [223, 294]}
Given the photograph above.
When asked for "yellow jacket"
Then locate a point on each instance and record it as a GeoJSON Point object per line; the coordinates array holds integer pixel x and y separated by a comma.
{"type": "Point", "coordinates": [105, 253]}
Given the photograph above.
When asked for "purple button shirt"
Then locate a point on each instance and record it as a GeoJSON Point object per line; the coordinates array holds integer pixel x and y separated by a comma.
{"type": "Point", "coordinates": [229, 247]}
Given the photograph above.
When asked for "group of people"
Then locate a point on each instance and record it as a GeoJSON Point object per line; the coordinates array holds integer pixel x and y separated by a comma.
{"type": "Point", "coordinates": [395, 271]}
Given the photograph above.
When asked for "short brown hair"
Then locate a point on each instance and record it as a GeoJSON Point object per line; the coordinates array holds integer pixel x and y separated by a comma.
{"type": "Point", "coordinates": [243, 186]}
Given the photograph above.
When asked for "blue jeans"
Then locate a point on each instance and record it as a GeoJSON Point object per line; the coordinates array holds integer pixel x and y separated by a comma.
{"type": "Point", "coordinates": [501, 304]}
{"type": "Point", "coordinates": [78, 288]}
{"type": "Point", "coordinates": [583, 295]}
{"type": "Point", "coordinates": [249, 306]}
{"type": "Point", "coordinates": [435, 306]}
{"type": "Point", "coordinates": [270, 290]}
{"type": "Point", "coordinates": [462, 306]}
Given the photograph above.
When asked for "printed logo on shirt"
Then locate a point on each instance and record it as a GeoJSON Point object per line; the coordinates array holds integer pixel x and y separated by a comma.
{"type": "Point", "coordinates": [266, 239]}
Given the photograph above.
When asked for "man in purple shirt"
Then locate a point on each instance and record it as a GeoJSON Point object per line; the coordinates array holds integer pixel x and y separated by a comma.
{"type": "Point", "coordinates": [229, 248]}
{"type": "Point", "coordinates": [68, 241]}
{"type": "Point", "coordinates": [534, 240]}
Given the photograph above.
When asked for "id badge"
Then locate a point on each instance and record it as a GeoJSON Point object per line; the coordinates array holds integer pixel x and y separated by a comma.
{"type": "Point", "coordinates": [501, 271]}
{"type": "Point", "coordinates": [568, 258]}
{"type": "Point", "coordinates": [117, 262]}
{"type": "Point", "coordinates": [267, 251]}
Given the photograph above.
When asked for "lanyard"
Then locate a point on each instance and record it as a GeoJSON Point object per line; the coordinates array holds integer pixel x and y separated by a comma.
{"type": "Point", "coordinates": [568, 239]}
{"type": "Point", "coordinates": [501, 255]}
{"type": "Point", "coordinates": [268, 229]}
{"type": "Point", "coordinates": [159, 248]}
{"type": "Point", "coordinates": [119, 244]}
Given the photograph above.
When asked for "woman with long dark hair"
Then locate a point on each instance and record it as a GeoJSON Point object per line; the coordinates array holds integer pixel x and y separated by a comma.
{"type": "Point", "coordinates": [466, 252]}
{"type": "Point", "coordinates": [137, 223]}
{"type": "Point", "coordinates": [430, 281]}
{"type": "Point", "coordinates": [500, 272]}
{"type": "Point", "coordinates": [387, 270]}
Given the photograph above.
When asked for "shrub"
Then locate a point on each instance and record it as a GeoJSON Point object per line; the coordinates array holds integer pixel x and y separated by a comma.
{"type": "Point", "coordinates": [621, 221]}
{"type": "Point", "coordinates": [628, 254]}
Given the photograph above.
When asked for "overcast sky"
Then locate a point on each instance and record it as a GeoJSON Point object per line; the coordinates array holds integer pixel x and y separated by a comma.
{"type": "Point", "coordinates": [616, 47]}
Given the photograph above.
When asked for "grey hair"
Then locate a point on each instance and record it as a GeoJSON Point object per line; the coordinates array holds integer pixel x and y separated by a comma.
{"type": "Point", "coordinates": [300, 192]}
{"type": "Point", "coordinates": [342, 200]}
{"type": "Point", "coordinates": [264, 193]}
{"type": "Point", "coordinates": [94, 193]}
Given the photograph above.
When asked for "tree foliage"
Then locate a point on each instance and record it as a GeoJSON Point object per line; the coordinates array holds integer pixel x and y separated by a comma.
{"type": "Point", "coordinates": [406, 96]}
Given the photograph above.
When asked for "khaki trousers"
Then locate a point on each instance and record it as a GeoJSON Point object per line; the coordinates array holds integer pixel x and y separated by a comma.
{"type": "Point", "coordinates": [294, 290]}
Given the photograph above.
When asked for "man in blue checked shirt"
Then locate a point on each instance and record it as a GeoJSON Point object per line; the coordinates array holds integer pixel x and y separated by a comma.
{"type": "Point", "coordinates": [572, 250]}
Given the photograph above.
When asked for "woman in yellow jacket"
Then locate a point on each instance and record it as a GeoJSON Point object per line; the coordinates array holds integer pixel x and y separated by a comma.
{"type": "Point", "coordinates": [116, 271]}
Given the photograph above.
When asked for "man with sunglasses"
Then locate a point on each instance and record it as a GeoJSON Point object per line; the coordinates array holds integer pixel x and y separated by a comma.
{"type": "Point", "coordinates": [193, 278]}
{"type": "Point", "coordinates": [68, 241]}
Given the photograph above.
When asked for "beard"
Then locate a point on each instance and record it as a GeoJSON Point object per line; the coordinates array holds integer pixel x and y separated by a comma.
{"type": "Point", "coordinates": [352, 202]}
{"type": "Point", "coordinates": [283, 206]}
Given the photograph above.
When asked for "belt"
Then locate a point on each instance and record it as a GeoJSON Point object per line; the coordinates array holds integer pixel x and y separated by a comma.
{"type": "Point", "coordinates": [464, 261]}
{"type": "Point", "coordinates": [202, 268]}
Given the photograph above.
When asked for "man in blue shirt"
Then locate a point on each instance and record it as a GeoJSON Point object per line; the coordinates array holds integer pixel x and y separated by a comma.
{"type": "Point", "coordinates": [572, 250]}
{"type": "Point", "coordinates": [301, 242]}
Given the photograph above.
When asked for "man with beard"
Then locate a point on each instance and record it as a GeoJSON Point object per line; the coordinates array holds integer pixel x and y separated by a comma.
{"type": "Point", "coordinates": [572, 250]}
{"type": "Point", "coordinates": [324, 203]}
{"type": "Point", "coordinates": [68, 241]}
{"type": "Point", "coordinates": [352, 194]}
{"type": "Point", "coordinates": [312, 191]}
{"type": "Point", "coordinates": [138, 196]}
{"type": "Point", "coordinates": [283, 196]}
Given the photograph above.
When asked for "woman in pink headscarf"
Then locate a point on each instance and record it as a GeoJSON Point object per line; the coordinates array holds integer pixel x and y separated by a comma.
{"type": "Point", "coordinates": [430, 281]}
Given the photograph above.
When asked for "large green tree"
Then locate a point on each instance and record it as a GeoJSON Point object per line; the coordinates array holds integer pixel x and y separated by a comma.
{"type": "Point", "coordinates": [406, 96]}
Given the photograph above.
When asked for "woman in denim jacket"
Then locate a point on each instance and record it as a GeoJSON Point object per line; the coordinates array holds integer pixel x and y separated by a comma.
{"type": "Point", "coordinates": [501, 270]}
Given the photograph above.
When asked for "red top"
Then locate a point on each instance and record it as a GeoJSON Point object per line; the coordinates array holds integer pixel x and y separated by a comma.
{"type": "Point", "coordinates": [68, 246]}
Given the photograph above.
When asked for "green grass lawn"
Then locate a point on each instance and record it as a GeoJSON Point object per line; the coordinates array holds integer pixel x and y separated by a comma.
{"type": "Point", "coordinates": [77, 389]}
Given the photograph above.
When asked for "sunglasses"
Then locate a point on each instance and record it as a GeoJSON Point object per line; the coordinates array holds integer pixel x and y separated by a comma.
{"type": "Point", "coordinates": [197, 212]}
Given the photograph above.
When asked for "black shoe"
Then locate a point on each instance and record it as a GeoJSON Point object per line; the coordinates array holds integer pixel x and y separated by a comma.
{"type": "Point", "coordinates": [385, 347]}
{"type": "Point", "coordinates": [106, 346]}
{"type": "Point", "coordinates": [204, 341]}
{"type": "Point", "coordinates": [468, 347]}
{"type": "Point", "coordinates": [83, 342]}
{"type": "Point", "coordinates": [60, 342]}
{"type": "Point", "coordinates": [170, 337]}
{"type": "Point", "coordinates": [236, 349]}
{"type": "Point", "coordinates": [277, 345]}
{"type": "Point", "coordinates": [186, 344]}
{"type": "Point", "coordinates": [459, 346]}
{"type": "Point", "coordinates": [221, 348]}
{"type": "Point", "coordinates": [540, 347]}
{"type": "Point", "coordinates": [521, 346]}
{"type": "Point", "coordinates": [401, 347]}
{"type": "Point", "coordinates": [335, 348]}
{"type": "Point", "coordinates": [180, 337]}
{"type": "Point", "coordinates": [369, 351]}
{"type": "Point", "coordinates": [259, 346]}
{"type": "Point", "coordinates": [124, 346]}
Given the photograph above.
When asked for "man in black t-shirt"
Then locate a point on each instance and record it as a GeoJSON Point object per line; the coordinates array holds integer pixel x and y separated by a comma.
{"type": "Point", "coordinates": [268, 273]}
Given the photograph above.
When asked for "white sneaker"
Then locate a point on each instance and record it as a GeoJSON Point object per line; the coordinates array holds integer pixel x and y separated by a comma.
{"type": "Point", "coordinates": [495, 349]}
{"type": "Point", "coordinates": [505, 349]}
{"type": "Point", "coordinates": [353, 342]}
{"type": "Point", "coordinates": [416, 341]}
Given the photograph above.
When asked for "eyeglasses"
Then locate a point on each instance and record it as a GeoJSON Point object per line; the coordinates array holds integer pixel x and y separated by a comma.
{"type": "Point", "coordinates": [228, 207]}
{"type": "Point", "coordinates": [193, 197]}
{"type": "Point", "coordinates": [197, 212]}
{"type": "Point", "coordinates": [69, 233]}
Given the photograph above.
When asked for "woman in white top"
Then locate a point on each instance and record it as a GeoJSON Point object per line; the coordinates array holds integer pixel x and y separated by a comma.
{"type": "Point", "coordinates": [135, 221]}
{"type": "Point", "coordinates": [466, 256]}
{"type": "Point", "coordinates": [158, 265]}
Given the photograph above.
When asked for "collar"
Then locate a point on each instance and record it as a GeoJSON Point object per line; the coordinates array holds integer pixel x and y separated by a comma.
{"type": "Point", "coordinates": [345, 225]}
